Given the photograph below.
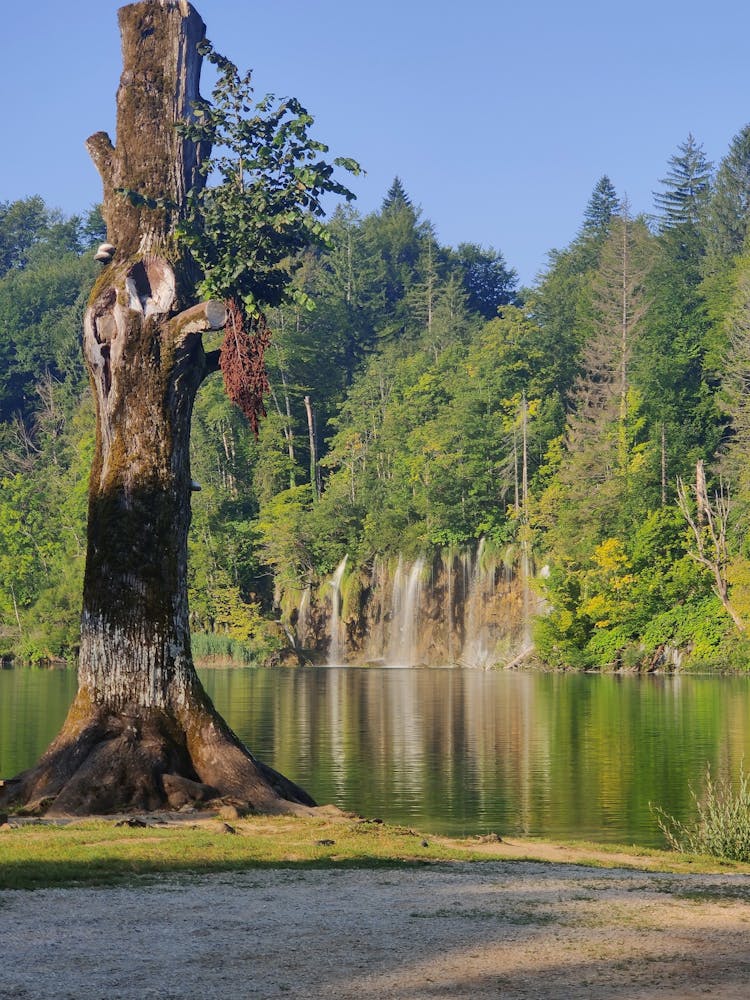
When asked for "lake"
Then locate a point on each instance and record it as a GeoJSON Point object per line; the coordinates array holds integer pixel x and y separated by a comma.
{"type": "Point", "coordinates": [458, 751]}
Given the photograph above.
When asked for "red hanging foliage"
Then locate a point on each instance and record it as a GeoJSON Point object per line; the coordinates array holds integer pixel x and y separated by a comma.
{"type": "Point", "coordinates": [242, 365]}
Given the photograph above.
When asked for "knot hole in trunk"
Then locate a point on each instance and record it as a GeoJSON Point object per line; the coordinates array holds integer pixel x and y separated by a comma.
{"type": "Point", "coordinates": [151, 286]}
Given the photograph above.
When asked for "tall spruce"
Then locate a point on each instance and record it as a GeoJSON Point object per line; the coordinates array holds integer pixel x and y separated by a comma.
{"type": "Point", "coordinates": [728, 211]}
{"type": "Point", "coordinates": [686, 187]}
{"type": "Point", "coordinates": [670, 367]}
{"type": "Point", "coordinates": [396, 197]}
{"type": "Point", "coordinates": [602, 206]}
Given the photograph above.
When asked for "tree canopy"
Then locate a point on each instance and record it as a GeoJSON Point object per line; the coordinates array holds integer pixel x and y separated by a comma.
{"type": "Point", "coordinates": [625, 363]}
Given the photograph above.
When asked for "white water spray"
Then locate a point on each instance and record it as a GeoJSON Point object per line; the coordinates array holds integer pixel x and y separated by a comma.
{"type": "Point", "coordinates": [407, 588]}
{"type": "Point", "coordinates": [477, 646]}
{"type": "Point", "coordinates": [336, 645]}
{"type": "Point", "coordinates": [303, 617]}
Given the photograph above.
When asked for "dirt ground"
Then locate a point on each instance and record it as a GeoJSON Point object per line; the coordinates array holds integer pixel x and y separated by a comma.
{"type": "Point", "coordinates": [489, 929]}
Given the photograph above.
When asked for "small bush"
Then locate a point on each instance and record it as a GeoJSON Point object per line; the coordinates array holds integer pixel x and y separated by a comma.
{"type": "Point", "coordinates": [722, 826]}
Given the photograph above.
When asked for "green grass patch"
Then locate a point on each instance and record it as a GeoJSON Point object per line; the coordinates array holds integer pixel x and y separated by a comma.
{"type": "Point", "coordinates": [96, 852]}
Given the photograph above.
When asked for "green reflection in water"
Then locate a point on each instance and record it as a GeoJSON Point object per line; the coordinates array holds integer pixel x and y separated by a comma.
{"type": "Point", "coordinates": [460, 751]}
{"type": "Point", "coordinates": [33, 706]}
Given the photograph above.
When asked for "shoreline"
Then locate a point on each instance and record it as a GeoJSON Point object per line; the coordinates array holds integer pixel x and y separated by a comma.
{"type": "Point", "coordinates": [518, 919]}
{"type": "Point", "coordinates": [212, 663]}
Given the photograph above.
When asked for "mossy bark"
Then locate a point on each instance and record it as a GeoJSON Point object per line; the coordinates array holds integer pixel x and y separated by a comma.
{"type": "Point", "coordinates": [142, 733]}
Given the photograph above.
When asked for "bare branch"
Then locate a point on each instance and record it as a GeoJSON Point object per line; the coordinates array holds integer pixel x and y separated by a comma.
{"type": "Point", "coordinates": [709, 531]}
{"type": "Point", "coordinates": [102, 152]}
{"type": "Point", "coordinates": [211, 315]}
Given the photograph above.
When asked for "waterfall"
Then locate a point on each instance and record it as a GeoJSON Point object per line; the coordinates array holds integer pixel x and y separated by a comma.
{"type": "Point", "coordinates": [336, 645]}
{"type": "Point", "coordinates": [303, 617]}
{"type": "Point", "coordinates": [448, 568]}
{"type": "Point", "coordinates": [402, 648]}
{"type": "Point", "coordinates": [478, 647]}
{"type": "Point", "coordinates": [463, 608]}
{"type": "Point", "coordinates": [394, 636]}
{"type": "Point", "coordinates": [375, 644]}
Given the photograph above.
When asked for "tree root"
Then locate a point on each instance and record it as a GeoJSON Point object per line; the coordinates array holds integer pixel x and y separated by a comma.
{"type": "Point", "coordinates": [104, 762]}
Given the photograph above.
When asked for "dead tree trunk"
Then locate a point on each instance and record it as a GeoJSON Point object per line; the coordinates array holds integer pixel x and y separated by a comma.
{"type": "Point", "coordinates": [142, 733]}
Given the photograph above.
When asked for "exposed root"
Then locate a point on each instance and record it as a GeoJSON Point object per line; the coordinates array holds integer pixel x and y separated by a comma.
{"type": "Point", "coordinates": [103, 763]}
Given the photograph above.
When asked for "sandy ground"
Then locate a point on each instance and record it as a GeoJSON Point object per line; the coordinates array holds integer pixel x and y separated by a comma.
{"type": "Point", "coordinates": [490, 929]}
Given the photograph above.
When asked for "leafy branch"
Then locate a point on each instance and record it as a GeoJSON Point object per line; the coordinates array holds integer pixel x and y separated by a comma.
{"type": "Point", "coordinates": [247, 229]}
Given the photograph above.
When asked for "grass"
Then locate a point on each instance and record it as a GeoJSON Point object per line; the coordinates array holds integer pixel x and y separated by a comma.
{"type": "Point", "coordinates": [209, 647]}
{"type": "Point", "coordinates": [96, 852]}
{"type": "Point", "coordinates": [722, 825]}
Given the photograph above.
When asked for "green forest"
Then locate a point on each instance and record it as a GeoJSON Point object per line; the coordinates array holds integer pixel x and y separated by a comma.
{"type": "Point", "coordinates": [420, 401]}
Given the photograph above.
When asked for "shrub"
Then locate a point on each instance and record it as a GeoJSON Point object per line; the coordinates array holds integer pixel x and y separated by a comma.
{"type": "Point", "coordinates": [722, 826]}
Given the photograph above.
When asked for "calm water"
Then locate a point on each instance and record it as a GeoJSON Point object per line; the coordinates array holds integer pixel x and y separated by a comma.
{"type": "Point", "coordinates": [461, 751]}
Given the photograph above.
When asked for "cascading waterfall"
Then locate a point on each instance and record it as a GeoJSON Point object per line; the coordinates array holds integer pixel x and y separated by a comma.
{"type": "Point", "coordinates": [393, 649]}
{"type": "Point", "coordinates": [448, 570]}
{"type": "Point", "coordinates": [478, 647]}
{"type": "Point", "coordinates": [336, 643]}
{"type": "Point", "coordinates": [303, 617]}
{"type": "Point", "coordinates": [375, 644]}
{"type": "Point", "coordinates": [463, 609]}
{"type": "Point", "coordinates": [405, 602]}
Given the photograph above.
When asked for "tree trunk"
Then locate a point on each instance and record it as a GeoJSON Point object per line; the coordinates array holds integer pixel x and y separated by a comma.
{"type": "Point", "coordinates": [142, 733]}
{"type": "Point", "coordinates": [315, 482]}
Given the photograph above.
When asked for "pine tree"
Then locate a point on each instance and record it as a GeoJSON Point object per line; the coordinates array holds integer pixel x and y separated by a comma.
{"type": "Point", "coordinates": [397, 236]}
{"type": "Point", "coordinates": [602, 206]}
{"type": "Point", "coordinates": [686, 187]}
{"type": "Point", "coordinates": [728, 210]}
{"type": "Point", "coordinates": [736, 381]}
{"type": "Point", "coordinates": [396, 197]}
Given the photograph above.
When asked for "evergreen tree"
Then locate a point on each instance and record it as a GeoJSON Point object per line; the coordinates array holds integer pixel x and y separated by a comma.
{"type": "Point", "coordinates": [672, 366]}
{"type": "Point", "coordinates": [687, 187]}
{"type": "Point", "coordinates": [396, 197]}
{"type": "Point", "coordinates": [595, 493]}
{"type": "Point", "coordinates": [728, 210]}
{"type": "Point", "coordinates": [736, 381]}
{"type": "Point", "coordinates": [603, 399]}
{"type": "Point", "coordinates": [396, 235]}
{"type": "Point", "coordinates": [602, 206]}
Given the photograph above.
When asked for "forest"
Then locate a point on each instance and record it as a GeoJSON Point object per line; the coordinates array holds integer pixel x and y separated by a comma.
{"type": "Point", "coordinates": [590, 431]}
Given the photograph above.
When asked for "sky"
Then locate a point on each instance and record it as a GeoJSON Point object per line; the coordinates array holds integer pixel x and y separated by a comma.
{"type": "Point", "coordinates": [498, 117]}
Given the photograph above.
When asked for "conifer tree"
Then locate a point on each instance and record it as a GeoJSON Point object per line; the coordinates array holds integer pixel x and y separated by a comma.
{"type": "Point", "coordinates": [728, 210]}
{"type": "Point", "coordinates": [670, 366]}
{"type": "Point", "coordinates": [396, 197]}
{"type": "Point", "coordinates": [602, 206]}
{"type": "Point", "coordinates": [686, 187]}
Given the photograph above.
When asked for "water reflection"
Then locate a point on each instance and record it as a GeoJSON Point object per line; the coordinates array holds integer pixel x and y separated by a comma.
{"type": "Point", "coordinates": [458, 751]}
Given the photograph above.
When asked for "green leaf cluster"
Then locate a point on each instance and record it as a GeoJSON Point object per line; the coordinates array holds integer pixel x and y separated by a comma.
{"type": "Point", "coordinates": [263, 203]}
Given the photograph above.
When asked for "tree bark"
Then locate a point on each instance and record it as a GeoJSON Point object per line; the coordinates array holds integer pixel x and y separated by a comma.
{"type": "Point", "coordinates": [142, 733]}
{"type": "Point", "coordinates": [311, 433]}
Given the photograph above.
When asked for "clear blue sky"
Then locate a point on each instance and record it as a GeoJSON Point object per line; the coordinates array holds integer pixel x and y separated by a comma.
{"type": "Point", "coordinates": [499, 117]}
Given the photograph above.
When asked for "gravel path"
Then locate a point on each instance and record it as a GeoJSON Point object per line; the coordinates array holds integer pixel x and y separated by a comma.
{"type": "Point", "coordinates": [489, 929]}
